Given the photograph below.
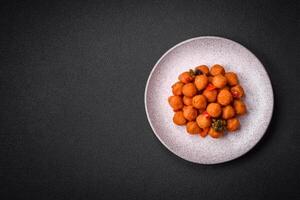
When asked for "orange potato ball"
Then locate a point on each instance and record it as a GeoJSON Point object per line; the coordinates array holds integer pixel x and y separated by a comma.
{"type": "Point", "coordinates": [224, 97]}
{"type": "Point", "coordinates": [215, 134]}
{"type": "Point", "coordinates": [204, 132]}
{"type": "Point", "coordinates": [188, 100]}
{"type": "Point", "coordinates": [189, 113]}
{"type": "Point", "coordinates": [239, 107]}
{"type": "Point", "coordinates": [210, 95]}
{"type": "Point", "coordinates": [214, 109]}
{"type": "Point", "coordinates": [219, 81]}
{"type": "Point", "coordinates": [203, 121]}
{"type": "Point", "coordinates": [175, 102]}
{"type": "Point", "coordinates": [232, 78]}
{"type": "Point", "coordinates": [186, 77]}
{"type": "Point", "coordinates": [177, 88]}
{"type": "Point", "coordinates": [192, 128]}
{"type": "Point", "coordinates": [237, 91]}
{"type": "Point", "coordinates": [228, 112]}
{"type": "Point", "coordinates": [199, 102]}
{"type": "Point", "coordinates": [189, 90]}
{"type": "Point", "coordinates": [178, 118]}
{"type": "Point", "coordinates": [216, 70]}
{"type": "Point", "coordinates": [201, 82]}
{"type": "Point", "coordinates": [233, 124]}
{"type": "Point", "coordinates": [203, 68]}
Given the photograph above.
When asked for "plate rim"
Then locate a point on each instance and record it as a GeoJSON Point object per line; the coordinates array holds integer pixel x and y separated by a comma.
{"type": "Point", "coordinates": [164, 55]}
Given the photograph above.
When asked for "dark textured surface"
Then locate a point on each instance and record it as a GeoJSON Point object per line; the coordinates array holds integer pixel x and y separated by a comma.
{"type": "Point", "coordinates": [73, 124]}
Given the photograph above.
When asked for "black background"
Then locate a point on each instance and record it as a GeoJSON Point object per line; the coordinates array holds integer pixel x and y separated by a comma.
{"type": "Point", "coordinates": [73, 124]}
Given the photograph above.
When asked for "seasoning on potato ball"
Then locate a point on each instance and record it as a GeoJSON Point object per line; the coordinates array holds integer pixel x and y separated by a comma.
{"type": "Point", "coordinates": [192, 128]}
{"type": "Point", "coordinates": [186, 77]}
{"type": "Point", "coordinates": [189, 90]}
{"type": "Point", "coordinates": [219, 81]}
{"type": "Point", "coordinates": [187, 100]}
{"type": "Point", "coordinates": [203, 68]}
{"type": "Point", "coordinates": [199, 102]}
{"type": "Point", "coordinates": [237, 91]}
{"type": "Point", "coordinates": [228, 112]}
{"type": "Point", "coordinates": [215, 134]}
{"type": "Point", "coordinates": [210, 95]}
{"type": "Point", "coordinates": [232, 78]}
{"type": "Point", "coordinates": [239, 107]}
{"type": "Point", "coordinates": [175, 102]}
{"type": "Point", "coordinates": [201, 82]}
{"type": "Point", "coordinates": [224, 97]}
{"type": "Point", "coordinates": [233, 124]}
{"type": "Point", "coordinates": [177, 88]}
{"type": "Point", "coordinates": [203, 121]}
{"type": "Point", "coordinates": [189, 113]}
{"type": "Point", "coordinates": [216, 70]}
{"type": "Point", "coordinates": [178, 118]}
{"type": "Point", "coordinates": [214, 109]}
{"type": "Point", "coordinates": [204, 132]}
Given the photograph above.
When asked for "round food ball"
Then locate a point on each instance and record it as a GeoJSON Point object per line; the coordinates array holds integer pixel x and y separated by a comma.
{"type": "Point", "coordinates": [178, 118]}
{"type": "Point", "coordinates": [192, 128]}
{"type": "Point", "coordinates": [189, 113]}
{"type": "Point", "coordinates": [224, 97]}
{"type": "Point", "coordinates": [199, 102]}
{"type": "Point", "coordinates": [233, 124]}
{"type": "Point", "coordinates": [210, 95]}
{"type": "Point", "coordinates": [203, 68]}
{"type": "Point", "coordinates": [228, 112]}
{"type": "Point", "coordinates": [177, 88]}
{"type": "Point", "coordinates": [237, 91]}
{"type": "Point", "coordinates": [188, 100]}
{"type": "Point", "coordinates": [204, 132]}
{"type": "Point", "coordinates": [186, 77]}
{"type": "Point", "coordinates": [215, 134]}
{"type": "Point", "coordinates": [189, 90]}
{"type": "Point", "coordinates": [201, 82]}
{"type": "Point", "coordinates": [232, 78]}
{"type": "Point", "coordinates": [214, 109]}
{"type": "Point", "coordinates": [175, 102]}
{"type": "Point", "coordinates": [216, 70]}
{"type": "Point", "coordinates": [203, 121]}
{"type": "Point", "coordinates": [239, 107]}
{"type": "Point", "coordinates": [219, 81]}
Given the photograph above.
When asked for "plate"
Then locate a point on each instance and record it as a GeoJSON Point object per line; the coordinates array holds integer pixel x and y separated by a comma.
{"type": "Point", "coordinates": [209, 50]}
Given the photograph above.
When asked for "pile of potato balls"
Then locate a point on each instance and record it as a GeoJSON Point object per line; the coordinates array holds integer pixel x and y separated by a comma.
{"type": "Point", "coordinates": [208, 101]}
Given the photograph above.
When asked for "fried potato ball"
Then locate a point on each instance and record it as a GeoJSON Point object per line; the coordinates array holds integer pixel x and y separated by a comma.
{"type": "Point", "coordinates": [177, 88]}
{"type": "Point", "coordinates": [204, 132]}
{"type": "Point", "coordinates": [189, 90]}
{"type": "Point", "coordinates": [228, 112]}
{"type": "Point", "coordinates": [232, 78]}
{"type": "Point", "coordinates": [188, 100]}
{"type": "Point", "coordinates": [214, 109]}
{"type": "Point", "coordinates": [203, 68]}
{"type": "Point", "coordinates": [189, 113]}
{"type": "Point", "coordinates": [178, 118]}
{"type": "Point", "coordinates": [219, 81]}
{"type": "Point", "coordinates": [233, 124]}
{"type": "Point", "coordinates": [210, 95]}
{"type": "Point", "coordinates": [186, 77]}
{"type": "Point", "coordinates": [201, 82]}
{"type": "Point", "coordinates": [237, 91]}
{"type": "Point", "coordinates": [199, 102]}
{"type": "Point", "coordinates": [192, 128]}
{"type": "Point", "coordinates": [203, 121]}
{"type": "Point", "coordinates": [224, 97]}
{"type": "Point", "coordinates": [175, 102]}
{"type": "Point", "coordinates": [216, 70]}
{"type": "Point", "coordinates": [215, 134]}
{"type": "Point", "coordinates": [239, 107]}
{"type": "Point", "coordinates": [210, 78]}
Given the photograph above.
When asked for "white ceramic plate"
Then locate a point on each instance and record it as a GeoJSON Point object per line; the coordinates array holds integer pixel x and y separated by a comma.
{"type": "Point", "coordinates": [252, 76]}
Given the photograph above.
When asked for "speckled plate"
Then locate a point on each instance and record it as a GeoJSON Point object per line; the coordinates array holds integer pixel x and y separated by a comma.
{"type": "Point", "coordinates": [234, 57]}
